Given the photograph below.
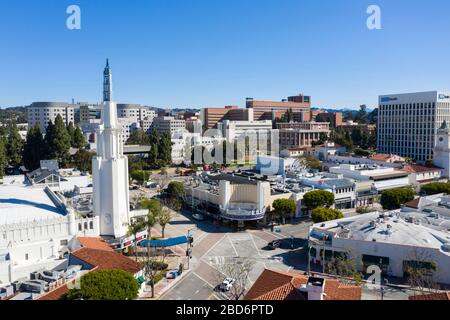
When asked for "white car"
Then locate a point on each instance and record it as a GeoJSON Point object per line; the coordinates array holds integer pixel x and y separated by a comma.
{"type": "Point", "coordinates": [227, 284]}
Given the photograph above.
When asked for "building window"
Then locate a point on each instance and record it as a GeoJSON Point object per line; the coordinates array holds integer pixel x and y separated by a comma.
{"type": "Point", "coordinates": [91, 225]}
{"type": "Point", "coordinates": [26, 256]}
{"type": "Point", "coordinates": [79, 227]}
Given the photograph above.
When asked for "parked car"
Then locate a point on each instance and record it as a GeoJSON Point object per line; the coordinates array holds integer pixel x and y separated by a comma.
{"type": "Point", "coordinates": [134, 187]}
{"type": "Point", "coordinates": [198, 217]}
{"type": "Point", "coordinates": [227, 284]}
{"type": "Point", "coordinates": [274, 244]}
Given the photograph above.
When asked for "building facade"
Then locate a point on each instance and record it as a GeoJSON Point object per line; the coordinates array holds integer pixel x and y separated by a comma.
{"type": "Point", "coordinates": [210, 117]}
{"type": "Point", "coordinates": [269, 110]}
{"type": "Point", "coordinates": [408, 123]}
{"type": "Point", "coordinates": [168, 125]}
{"type": "Point", "coordinates": [43, 112]}
{"type": "Point", "coordinates": [301, 134]}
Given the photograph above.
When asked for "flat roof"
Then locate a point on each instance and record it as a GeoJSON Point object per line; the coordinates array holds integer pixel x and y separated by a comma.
{"type": "Point", "coordinates": [25, 203]}
{"type": "Point", "coordinates": [400, 231]}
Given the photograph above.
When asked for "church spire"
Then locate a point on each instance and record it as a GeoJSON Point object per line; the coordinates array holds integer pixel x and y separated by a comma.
{"type": "Point", "coordinates": [107, 83]}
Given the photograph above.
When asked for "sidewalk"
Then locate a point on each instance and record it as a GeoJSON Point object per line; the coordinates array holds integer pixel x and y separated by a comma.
{"type": "Point", "coordinates": [161, 287]}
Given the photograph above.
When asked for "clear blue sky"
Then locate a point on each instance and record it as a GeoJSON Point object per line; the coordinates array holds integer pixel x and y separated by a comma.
{"type": "Point", "coordinates": [197, 53]}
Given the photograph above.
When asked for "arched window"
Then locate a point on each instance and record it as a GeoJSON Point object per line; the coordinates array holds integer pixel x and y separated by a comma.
{"type": "Point", "coordinates": [79, 227]}
{"type": "Point", "coordinates": [85, 225]}
{"type": "Point", "coordinates": [91, 225]}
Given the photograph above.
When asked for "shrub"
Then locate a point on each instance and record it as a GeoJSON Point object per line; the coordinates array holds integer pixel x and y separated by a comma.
{"type": "Point", "coordinates": [392, 199]}
{"type": "Point", "coordinates": [158, 265]}
{"type": "Point", "coordinates": [113, 284]}
{"type": "Point", "coordinates": [435, 188]}
{"type": "Point", "coordinates": [325, 214]}
{"type": "Point", "coordinates": [361, 152]}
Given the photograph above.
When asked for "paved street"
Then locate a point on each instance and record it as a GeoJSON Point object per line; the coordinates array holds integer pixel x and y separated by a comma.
{"type": "Point", "coordinates": [212, 246]}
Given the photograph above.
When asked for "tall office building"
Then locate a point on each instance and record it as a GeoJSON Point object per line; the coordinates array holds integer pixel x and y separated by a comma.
{"type": "Point", "coordinates": [43, 112]}
{"type": "Point", "coordinates": [408, 123]}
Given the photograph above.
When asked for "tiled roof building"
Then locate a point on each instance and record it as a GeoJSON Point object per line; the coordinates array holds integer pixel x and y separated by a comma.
{"type": "Point", "coordinates": [275, 285]}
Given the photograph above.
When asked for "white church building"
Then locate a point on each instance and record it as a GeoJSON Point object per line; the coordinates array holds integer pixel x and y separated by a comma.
{"type": "Point", "coordinates": [38, 223]}
{"type": "Point", "coordinates": [441, 152]}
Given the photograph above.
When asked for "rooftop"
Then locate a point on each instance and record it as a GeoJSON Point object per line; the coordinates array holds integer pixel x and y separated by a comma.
{"type": "Point", "coordinates": [415, 168]}
{"type": "Point", "coordinates": [96, 243]}
{"type": "Point", "coordinates": [395, 227]}
{"type": "Point", "coordinates": [20, 203]}
{"type": "Point", "coordinates": [432, 296]}
{"type": "Point", "coordinates": [276, 285]}
{"type": "Point", "coordinates": [382, 156]}
{"type": "Point", "coordinates": [105, 259]}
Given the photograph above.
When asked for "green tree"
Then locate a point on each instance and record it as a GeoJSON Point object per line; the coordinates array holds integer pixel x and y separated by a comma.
{"type": "Point", "coordinates": [83, 160]}
{"type": "Point", "coordinates": [3, 160]}
{"type": "Point", "coordinates": [112, 284]}
{"type": "Point", "coordinates": [284, 208]}
{"type": "Point", "coordinates": [154, 146]}
{"type": "Point", "coordinates": [14, 147]}
{"type": "Point", "coordinates": [79, 140]}
{"type": "Point", "coordinates": [163, 219]}
{"type": "Point", "coordinates": [318, 198]}
{"type": "Point", "coordinates": [310, 162]}
{"type": "Point", "coordinates": [165, 149]}
{"type": "Point", "coordinates": [58, 141]}
{"type": "Point", "coordinates": [134, 227]}
{"type": "Point", "coordinates": [154, 212]}
{"type": "Point", "coordinates": [139, 137]}
{"type": "Point", "coordinates": [325, 214]}
{"type": "Point", "coordinates": [141, 176]}
{"type": "Point", "coordinates": [392, 199]}
{"type": "Point", "coordinates": [175, 189]}
{"type": "Point", "coordinates": [71, 131]}
{"type": "Point", "coordinates": [435, 188]}
{"type": "Point", "coordinates": [34, 148]}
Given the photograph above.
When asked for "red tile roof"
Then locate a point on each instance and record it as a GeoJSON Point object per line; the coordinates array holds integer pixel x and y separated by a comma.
{"type": "Point", "coordinates": [381, 156]}
{"type": "Point", "coordinates": [432, 296]}
{"type": "Point", "coordinates": [275, 285]}
{"type": "Point", "coordinates": [94, 243]}
{"type": "Point", "coordinates": [413, 203]}
{"type": "Point", "coordinates": [99, 259]}
{"type": "Point", "coordinates": [414, 168]}
{"type": "Point", "coordinates": [107, 260]}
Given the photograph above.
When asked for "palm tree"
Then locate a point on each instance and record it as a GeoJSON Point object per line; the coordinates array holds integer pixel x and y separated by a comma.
{"type": "Point", "coordinates": [164, 218]}
{"type": "Point", "coordinates": [154, 211]}
{"type": "Point", "coordinates": [134, 227]}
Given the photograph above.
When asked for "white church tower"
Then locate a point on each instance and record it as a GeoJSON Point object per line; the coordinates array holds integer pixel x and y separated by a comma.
{"type": "Point", "coordinates": [441, 154]}
{"type": "Point", "coordinates": [110, 169]}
